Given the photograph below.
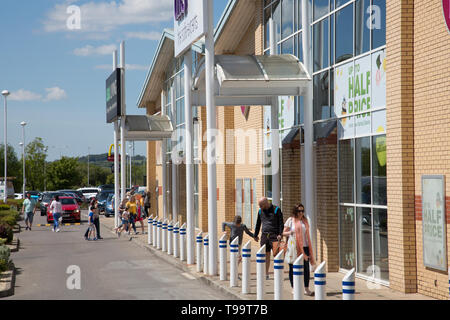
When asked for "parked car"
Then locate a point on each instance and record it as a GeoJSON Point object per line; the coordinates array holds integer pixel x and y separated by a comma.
{"type": "Point", "coordinates": [109, 205]}
{"type": "Point", "coordinates": [47, 198]}
{"type": "Point", "coordinates": [102, 197]}
{"type": "Point", "coordinates": [18, 196]}
{"type": "Point", "coordinates": [104, 187]}
{"type": "Point", "coordinates": [74, 194]}
{"type": "Point", "coordinates": [70, 210]}
{"type": "Point", "coordinates": [89, 193]}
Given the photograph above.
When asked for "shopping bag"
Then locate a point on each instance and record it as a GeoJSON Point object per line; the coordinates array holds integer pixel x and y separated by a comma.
{"type": "Point", "coordinates": [291, 251]}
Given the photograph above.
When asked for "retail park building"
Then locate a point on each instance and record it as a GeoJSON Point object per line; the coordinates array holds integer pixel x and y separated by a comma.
{"type": "Point", "coordinates": [381, 127]}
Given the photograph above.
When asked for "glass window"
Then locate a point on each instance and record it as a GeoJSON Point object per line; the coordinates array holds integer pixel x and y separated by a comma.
{"type": "Point", "coordinates": [276, 15]}
{"type": "Point", "coordinates": [287, 18]}
{"type": "Point", "coordinates": [363, 184]}
{"type": "Point", "coordinates": [380, 242]}
{"type": "Point", "coordinates": [321, 43]}
{"type": "Point", "coordinates": [321, 106]}
{"type": "Point", "coordinates": [378, 23]}
{"type": "Point", "coordinates": [341, 2]}
{"type": "Point", "coordinates": [347, 237]}
{"type": "Point", "coordinates": [267, 174]}
{"type": "Point", "coordinates": [333, 113]}
{"type": "Point", "coordinates": [298, 15]}
{"type": "Point", "coordinates": [300, 47]}
{"type": "Point", "coordinates": [332, 39]}
{"type": "Point", "coordinates": [247, 214]}
{"type": "Point", "coordinates": [255, 205]}
{"type": "Point", "coordinates": [267, 14]}
{"type": "Point", "coordinates": [379, 170]}
{"type": "Point", "coordinates": [344, 34]}
{"type": "Point", "coordinates": [287, 47]}
{"type": "Point", "coordinates": [346, 171]}
{"type": "Point", "coordinates": [321, 8]}
{"type": "Point", "coordinates": [364, 239]}
{"type": "Point", "coordinates": [362, 32]}
{"type": "Point", "coordinates": [239, 197]}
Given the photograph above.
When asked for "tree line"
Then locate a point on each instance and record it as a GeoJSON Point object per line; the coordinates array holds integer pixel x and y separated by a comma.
{"type": "Point", "coordinates": [64, 173]}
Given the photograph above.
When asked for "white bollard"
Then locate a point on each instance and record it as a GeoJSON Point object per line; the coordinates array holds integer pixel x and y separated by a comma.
{"type": "Point", "coordinates": [183, 242]}
{"type": "Point", "coordinates": [278, 266]}
{"type": "Point", "coordinates": [149, 229]}
{"type": "Point", "coordinates": [223, 257]}
{"type": "Point", "coordinates": [298, 278]}
{"type": "Point", "coordinates": [176, 240]}
{"type": "Point", "coordinates": [260, 272]}
{"type": "Point", "coordinates": [158, 237]}
{"type": "Point", "coordinates": [155, 231]}
{"type": "Point", "coordinates": [205, 254]}
{"type": "Point", "coordinates": [169, 237]}
{"type": "Point", "coordinates": [348, 286]}
{"type": "Point", "coordinates": [234, 251]}
{"type": "Point", "coordinates": [246, 256]}
{"type": "Point", "coordinates": [320, 282]}
{"type": "Point", "coordinates": [164, 236]}
{"type": "Point", "coordinates": [199, 240]}
{"type": "Point", "coordinates": [449, 283]}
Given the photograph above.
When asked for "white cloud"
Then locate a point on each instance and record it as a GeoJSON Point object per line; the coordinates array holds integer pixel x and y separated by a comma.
{"type": "Point", "coordinates": [91, 51]}
{"type": "Point", "coordinates": [152, 35]}
{"type": "Point", "coordinates": [24, 95]}
{"type": "Point", "coordinates": [54, 94]}
{"type": "Point", "coordinates": [128, 67]}
{"type": "Point", "coordinates": [106, 16]}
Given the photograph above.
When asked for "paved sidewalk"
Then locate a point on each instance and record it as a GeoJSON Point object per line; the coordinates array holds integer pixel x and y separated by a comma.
{"type": "Point", "coordinates": [364, 291]}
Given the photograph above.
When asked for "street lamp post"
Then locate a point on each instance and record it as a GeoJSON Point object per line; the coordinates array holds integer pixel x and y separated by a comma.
{"type": "Point", "coordinates": [5, 94]}
{"type": "Point", "coordinates": [88, 166]}
{"type": "Point", "coordinates": [45, 175]}
{"type": "Point", "coordinates": [23, 124]}
{"type": "Point", "coordinates": [130, 146]}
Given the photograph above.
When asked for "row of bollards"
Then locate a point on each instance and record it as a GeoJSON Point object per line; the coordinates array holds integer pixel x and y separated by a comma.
{"type": "Point", "coordinates": [169, 237]}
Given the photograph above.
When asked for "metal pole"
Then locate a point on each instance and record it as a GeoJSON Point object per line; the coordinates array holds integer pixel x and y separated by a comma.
{"type": "Point", "coordinates": [260, 272]}
{"type": "Point", "coordinates": [155, 232]}
{"type": "Point", "coordinates": [88, 168]}
{"type": "Point", "coordinates": [174, 164]}
{"type": "Point", "coordinates": [5, 194]}
{"type": "Point", "coordinates": [309, 133]}
{"type": "Point", "coordinates": [116, 159]}
{"type": "Point", "coordinates": [223, 257]}
{"type": "Point", "coordinates": [23, 160]}
{"type": "Point", "coordinates": [169, 237]}
{"type": "Point", "coordinates": [246, 256]}
{"type": "Point", "coordinates": [278, 267]}
{"type": "Point", "coordinates": [158, 237]}
{"type": "Point", "coordinates": [205, 254]}
{"type": "Point", "coordinates": [211, 126]}
{"type": "Point", "coordinates": [176, 241]}
{"type": "Point", "coordinates": [149, 229]}
{"type": "Point", "coordinates": [129, 147]}
{"type": "Point", "coordinates": [199, 252]}
{"type": "Point", "coordinates": [163, 160]}
{"type": "Point", "coordinates": [164, 235]}
{"type": "Point", "coordinates": [189, 158]}
{"type": "Point", "coordinates": [183, 242]}
{"type": "Point", "coordinates": [234, 251]}
{"type": "Point", "coordinates": [320, 282]}
{"type": "Point", "coordinates": [298, 278]}
{"type": "Point", "coordinates": [122, 125]}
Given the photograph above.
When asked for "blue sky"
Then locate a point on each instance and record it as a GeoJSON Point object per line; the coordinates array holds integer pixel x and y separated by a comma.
{"type": "Point", "coordinates": [57, 76]}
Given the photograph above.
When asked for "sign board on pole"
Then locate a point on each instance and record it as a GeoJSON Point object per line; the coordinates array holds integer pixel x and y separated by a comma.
{"type": "Point", "coordinates": [433, 222]}
{"type": "Point", "coordinates": [190, 19]}
{"type": "Point", "coordinates": [446, 12]}
{"type": "Point", "coordinates": [113, 96]}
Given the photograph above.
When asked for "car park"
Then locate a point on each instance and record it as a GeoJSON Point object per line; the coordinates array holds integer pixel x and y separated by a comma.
{"type": "Point", "coordinates": [70, 210]}
{"type": "Point", "coordinates": [102, 197]}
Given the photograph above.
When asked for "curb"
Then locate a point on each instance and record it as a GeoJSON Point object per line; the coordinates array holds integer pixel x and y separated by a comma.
{"type": "Point", "coordinates": [14, 246]}
{"type": "Point", "coordinates": [8, 279]}
{"type": "Point", "coordinates": [182, 266]}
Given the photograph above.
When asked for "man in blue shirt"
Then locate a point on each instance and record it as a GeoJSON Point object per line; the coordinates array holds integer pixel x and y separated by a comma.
{"type": "Point", "coordinates": [28, 209]}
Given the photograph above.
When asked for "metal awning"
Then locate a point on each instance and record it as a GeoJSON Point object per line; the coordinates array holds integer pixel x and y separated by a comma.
{"type": "Point", "coordinates": [148, 128]}
{"type": "Point", "coordinates": [252, 80]}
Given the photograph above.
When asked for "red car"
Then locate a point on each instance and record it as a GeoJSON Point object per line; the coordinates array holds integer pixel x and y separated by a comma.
{"type": "Point", "coordinates": [70, 210]}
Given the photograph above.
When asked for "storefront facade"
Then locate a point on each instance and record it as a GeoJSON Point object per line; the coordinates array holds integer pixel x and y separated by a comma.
{"type": "Point", "coordinates": [375, 66]}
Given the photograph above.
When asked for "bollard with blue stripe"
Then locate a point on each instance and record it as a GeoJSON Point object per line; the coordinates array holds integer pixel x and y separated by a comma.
{"type": "Point", "coordinates": [183, 242]}
{"type": "Point", "coordinates": [246, 256]}
{"type": "Point", "coordinates": [449, 283]}
{"type": "Point", "coordinates": [158, 237]}
{"type": "Point", "coordinates": [320, 281]}
{"type": "Point", "coordinates": [155, 231]}
{"type": "Point", "coordinates": [169, 237]}
{"type": "Point", "coordinates": [199, 241]}
{"type": "Point", "coordinates": [348, 285]}
{"type": "Point", "coordinates": [298, 278]}
{"type": "Point", "coordinates": [205, 254]}
{"type": "Point", "coordinates": [176, 240]}
{"type": "Point", "coordinates": [234, 251]}
{"type": "Point", "coordinates": [149, 229]}
{"type": "Point", "coordinates": [260, 272]}
{"type": "Point", "coordinates": [164, 235]}
{"type": "Point", "coordinates": [223, 257]}
{"type": "Point", "coordinates": [278, 267]}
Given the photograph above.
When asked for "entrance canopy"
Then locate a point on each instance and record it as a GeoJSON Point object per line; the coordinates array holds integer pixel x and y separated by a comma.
{"type": "Point", "coordinates": [252, 80]}
{"type": "Point", "coordinates": [148, 128]}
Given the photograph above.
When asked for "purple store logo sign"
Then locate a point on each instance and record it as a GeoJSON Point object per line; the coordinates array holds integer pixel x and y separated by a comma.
{"type": "Point", "coordinates": [446, 9]}
{"type": "Point", "coordinates": [181, 7]}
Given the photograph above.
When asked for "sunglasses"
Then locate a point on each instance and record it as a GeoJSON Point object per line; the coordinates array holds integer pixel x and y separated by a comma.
{"type": "Point", "coordinates": [300, 210]}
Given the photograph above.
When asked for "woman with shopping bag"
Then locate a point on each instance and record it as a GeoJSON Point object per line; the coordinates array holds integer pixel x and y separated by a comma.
{"type": "Point", "coordinates": [296, 229]}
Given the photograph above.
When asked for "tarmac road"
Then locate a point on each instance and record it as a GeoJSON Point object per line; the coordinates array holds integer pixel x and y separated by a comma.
{"type": "Point", "coordinates": [109, 269]}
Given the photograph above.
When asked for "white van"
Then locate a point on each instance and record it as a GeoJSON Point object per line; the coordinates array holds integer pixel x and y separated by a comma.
{"type": "Point", "coordinates": [89, 192]}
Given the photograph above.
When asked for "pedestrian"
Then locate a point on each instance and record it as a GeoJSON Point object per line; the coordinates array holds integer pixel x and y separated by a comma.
{"type": "Point", "coordinates": [132, 210]}
{"type": "Point", "coordinates": [56, 210]}
{"type": "Point", "coordinates": [298, 225]}
{"type": "Point", "coordinates": [92, 217]}
{"type": "Point", "coordinates": [237, 229]}
{"type": "Point", "coordinates": [96, 217]}
{"type": "Point", "coordinates": [29, 209]}
{"type": "Point", "coordinates": [124, 226]}
{"type": "Point", "coordinates": [139, 214]}
{"type": "Point", "coordinates": [271, 219]}
{"type": "Point", "coordinates": [147, 204]}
